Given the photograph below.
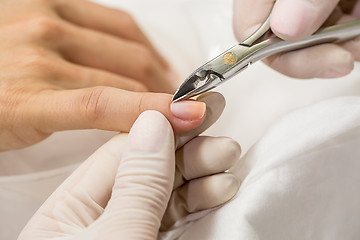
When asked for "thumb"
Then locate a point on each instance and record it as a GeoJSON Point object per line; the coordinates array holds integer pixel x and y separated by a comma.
{"type": "Point", "coordinates": [144, 181]}
{"type": "Point", "coordinates": [290, 19]}
{"type": "Point", "coordinates": [297, 19]}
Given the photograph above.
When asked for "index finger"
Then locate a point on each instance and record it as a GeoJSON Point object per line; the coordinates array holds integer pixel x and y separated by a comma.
{"type": "Point", "coordinates": [109, 108]}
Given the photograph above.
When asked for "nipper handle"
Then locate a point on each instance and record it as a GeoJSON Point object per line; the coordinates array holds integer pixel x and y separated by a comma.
{"type": "Point", "coordinates": [275, 45]}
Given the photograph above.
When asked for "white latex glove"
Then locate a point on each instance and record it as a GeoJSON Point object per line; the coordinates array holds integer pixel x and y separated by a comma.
{"type": "Point", "coordinates": [122, 190]}
{"type": "Point", "coordinates": [295, 20]}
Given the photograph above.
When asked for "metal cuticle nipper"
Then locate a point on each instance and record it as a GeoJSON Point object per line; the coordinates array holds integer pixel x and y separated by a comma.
{"type": "Point", "coordinates": [263, 43]}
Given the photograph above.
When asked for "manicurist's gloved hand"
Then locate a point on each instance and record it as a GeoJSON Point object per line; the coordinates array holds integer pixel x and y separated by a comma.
{"type": "Point", "coordinates": [68, 64]}
{"type": "Point", "coordinates": [294, 20]}
{"type": "Point", "coordinates": [122, 191]}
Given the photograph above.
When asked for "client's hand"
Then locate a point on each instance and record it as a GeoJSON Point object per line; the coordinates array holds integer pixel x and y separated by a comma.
{"type": "Point", "coordinates": [123, 189]}
{"type": "Point", "coordinates": [294, 20]}
{"type": "Point", "coordinates": [68, 64]}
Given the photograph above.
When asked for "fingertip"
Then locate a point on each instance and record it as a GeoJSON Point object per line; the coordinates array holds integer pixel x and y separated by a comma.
{"type": "Point", "coordinates": [293, 20]}
{"type": "Point", "coordinates": [150, 132]}
{"type": "Point", "coordinates": [215, 104]}
{"type": "Point", "coordinates": [231, 150]}
{"type": "Point", "coordinates": [183, 116]}
{"type": "Point", "coordinates": [200, 156]}
{"type": "Point", "coordinates": [215, 190]}
{"type": "Point", "coordinates": [231, 185]}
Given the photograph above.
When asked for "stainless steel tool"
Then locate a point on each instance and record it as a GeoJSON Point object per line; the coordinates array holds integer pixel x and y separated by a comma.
{"type": "Point", "coordinates": [258, 46]}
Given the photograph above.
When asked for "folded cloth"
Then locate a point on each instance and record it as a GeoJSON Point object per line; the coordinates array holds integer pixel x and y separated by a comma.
{"type": "Point", "coordinates": [300, 181]}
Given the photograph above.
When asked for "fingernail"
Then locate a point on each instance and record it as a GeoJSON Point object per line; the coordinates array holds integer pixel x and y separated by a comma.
{"type": "Point", "coordinates": [149, 132]}
{"type": "Point", "coordinates": [188, 110]}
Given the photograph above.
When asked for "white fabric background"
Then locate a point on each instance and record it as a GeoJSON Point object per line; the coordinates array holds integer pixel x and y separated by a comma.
{"type": "Point", "coordinates": [189, 32]}
{"type": "Point", "coordinates": [300, 181]}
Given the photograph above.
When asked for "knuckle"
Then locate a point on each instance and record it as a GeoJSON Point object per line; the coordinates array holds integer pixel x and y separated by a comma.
{"type": "Point", "coordinates": [45, 28]}
{"type": "Point", "coordinates": [35, 59]}
{"type": "Point", "coordinates": [8, 102]}
{"type": "Point", "coordinates": [94, 103]}
{"type": "Point", "coordinates": [141, 103]}
{"type": "Point", "coordinates": [14, 102]}
{"type": "Point", "coordinates": [127, 21]}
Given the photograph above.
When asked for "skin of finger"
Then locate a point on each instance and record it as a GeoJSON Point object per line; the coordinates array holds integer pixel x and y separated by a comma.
{"type": "Point", "coordinates": [294, 20]}
{"type": "Point", "coordinates": [101, 108]}
{"type": "Point", "coordinates": [119, 56]}
{"type": "Point", "coordinates": [107, 20]}
{"type": "Point", "coordinates": [17, 87]}
{"type": "Point", "coordinates": [143, 182]}
{"type": "Point", "coordinates": [41, 70]}
{"type": "Point", "coordinates": [215, 104]}
{"type": "Point", "coordinates": [249, 15]}
{"type": "Point", "coordinates": [45, 66]}
{"type": "Point", "coordinates": [76, 76]}
{"type": "Point", "coordinates": [80, 200]}
{"type": "Point", "coordinates": [204, 156]}
{"type": "Point", "coordinates": [43, 30]}
{"type": "Point", "coordinates": [200, 194]}
{"type": "Point", "coordinates": [322, 61]}
{"type": "Point", "coordinates": [16, 132]}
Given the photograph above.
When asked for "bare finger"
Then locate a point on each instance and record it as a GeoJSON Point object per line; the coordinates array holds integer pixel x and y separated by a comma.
{"type": "Point", "coordinates": [77, 76]}
{"type": "Point", "coordinates": [108, 109]}
{"type": "Point", "coordinates": [129, 59]}
{"type": "Point", "coordinates": [107, 20]}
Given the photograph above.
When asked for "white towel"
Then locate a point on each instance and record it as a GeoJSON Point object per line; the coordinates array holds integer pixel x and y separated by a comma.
{"type": "Point", "coordinates": [301, 181]}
